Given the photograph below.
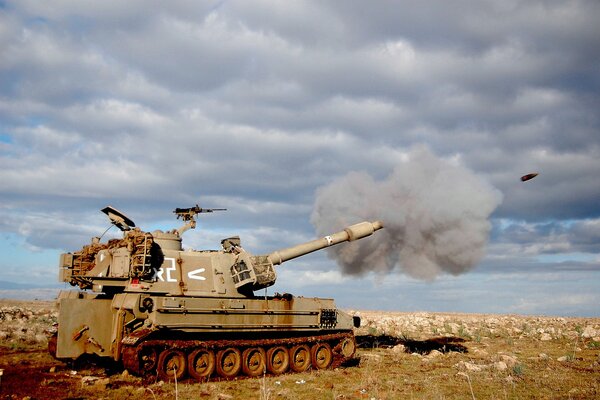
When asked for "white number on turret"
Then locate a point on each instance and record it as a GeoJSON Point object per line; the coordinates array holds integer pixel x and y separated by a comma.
{"type": "Point", "coordinates": [195, 274]}
{"type": "Point", "coordinates": [168, 270]}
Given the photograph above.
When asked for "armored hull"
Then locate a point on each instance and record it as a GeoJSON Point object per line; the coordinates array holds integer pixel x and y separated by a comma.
{"type": "Point", "coordinates": [159, 310]}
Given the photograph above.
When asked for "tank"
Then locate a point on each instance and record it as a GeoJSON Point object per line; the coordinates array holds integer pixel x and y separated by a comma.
{"type": "Point", "coordinates": [159, 310]}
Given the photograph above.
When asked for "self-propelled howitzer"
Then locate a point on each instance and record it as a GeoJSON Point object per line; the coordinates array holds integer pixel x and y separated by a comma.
{"type": "Point", "coordinates": [156, 308]}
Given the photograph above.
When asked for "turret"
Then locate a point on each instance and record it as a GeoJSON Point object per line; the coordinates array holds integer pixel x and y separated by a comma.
{"type": "Point", "coordinates": [144, 262]}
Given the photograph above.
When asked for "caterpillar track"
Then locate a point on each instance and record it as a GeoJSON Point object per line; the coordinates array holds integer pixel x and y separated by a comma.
{"type": "Point", "coordinates": [227, 359]}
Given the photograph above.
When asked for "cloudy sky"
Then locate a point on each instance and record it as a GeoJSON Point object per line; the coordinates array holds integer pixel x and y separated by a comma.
{"type": "Point", "coordinates": [422, 114]}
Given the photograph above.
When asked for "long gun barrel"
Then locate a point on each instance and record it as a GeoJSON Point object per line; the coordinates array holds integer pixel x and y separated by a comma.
{"type": "Point", "coordinates": [353, 232]}
{"type": "Point", "coordinates": [257, 272]}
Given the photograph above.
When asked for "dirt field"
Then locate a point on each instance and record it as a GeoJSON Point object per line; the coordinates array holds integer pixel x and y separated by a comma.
{"type": "Point", "coordinates": [424, 356]}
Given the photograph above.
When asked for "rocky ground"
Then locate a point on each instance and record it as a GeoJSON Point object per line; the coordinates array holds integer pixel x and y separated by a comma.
{"type": "Point", "coordinates": [481, 330]}
{"type": "Point", "coordinates": [26, 323]}
{"type": "Point", "coordinates": [421, 355]}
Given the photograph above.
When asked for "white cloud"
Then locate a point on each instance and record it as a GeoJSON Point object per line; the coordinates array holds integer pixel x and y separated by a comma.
{"type": "Point", "coordinates": [255, 105]}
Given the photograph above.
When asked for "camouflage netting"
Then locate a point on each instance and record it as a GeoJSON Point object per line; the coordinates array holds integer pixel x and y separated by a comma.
{"type": "Point", "coordinates": [138, 243]}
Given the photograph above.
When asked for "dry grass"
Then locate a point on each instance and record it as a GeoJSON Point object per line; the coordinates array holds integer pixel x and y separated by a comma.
{"type": "Point", "coordinates": [509, 357]}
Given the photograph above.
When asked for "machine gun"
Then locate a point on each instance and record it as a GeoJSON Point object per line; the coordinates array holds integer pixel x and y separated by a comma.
{"type": "Point", "coordinates": [188, 214]}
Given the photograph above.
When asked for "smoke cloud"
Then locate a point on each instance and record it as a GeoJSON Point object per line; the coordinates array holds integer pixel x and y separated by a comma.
{"type": "Point", "coordinates": [435, 215]}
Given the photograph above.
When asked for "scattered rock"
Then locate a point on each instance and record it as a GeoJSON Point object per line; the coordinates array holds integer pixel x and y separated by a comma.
{"type": "Point", "coordinates": [21, 325]}
{"type": "Point", "coordinates": [423, 326]}
{"type": "Point", "coordinates": [480, 352]}
{"type": "Point", "coordinates": [101, 384]}
{"type": "Point", "coordinates": [469, 366]}
{"type": "Point", "coordinates": [500, 366]}
{"type": "Point", "coordinates": [88, 380]}
{"type": "Point", "coordinates": [509, 360]}
{"type": "Point", "coordinates": [434, 354]}
{"type": "Point", "coordinates": [399, 348]}
{"type": "Point", "coordinates": [473, 367]}
{"type": "Point", "coordinates": [454, 327]}
{"type": "Point", "coordinates": [375, 357]}
{"type": "Point", "coordinates": [562, 359]}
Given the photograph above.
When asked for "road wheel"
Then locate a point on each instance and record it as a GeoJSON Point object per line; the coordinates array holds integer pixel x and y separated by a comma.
{"type": "Point", "coordinates": [254, 363]}
{"type": "Point", "coordinates": [201, 364]}
{"type": "Point", "coordinates": [321, 355]}
{"type": "Point", "coordinates": [278, 360]}
{"type": "Point", "coordinates": [171, 365]}
{"type": "Point", "coordinates": [347, 347]}
{"type": "Point", "coordinates": [229, 362]}
{"type": "Point", "coordinates": [299, 358]}
{"type": "Point", "coordinates": [148, 359]}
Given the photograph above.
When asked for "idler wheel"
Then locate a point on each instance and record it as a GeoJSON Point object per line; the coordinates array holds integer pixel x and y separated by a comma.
{"type": "Point", "coordinates": [300, 358]}
{"type": "Point", "coordinates": [171, 365]}
{"type": "Point", "coordinates": [229, 362]}
{"type": "Point", "coordinates": [254, 361]}
{"type": "Point", "coordinates": [201, 363]}
{"type": "Point", "coordinates": [321, 355]}
{"type": "Point", "coordinates": [278, 360]}
{"type": "Point", "coordinates": [347, 347]}
{"type": "Point", "coordinates": [148, 359]}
